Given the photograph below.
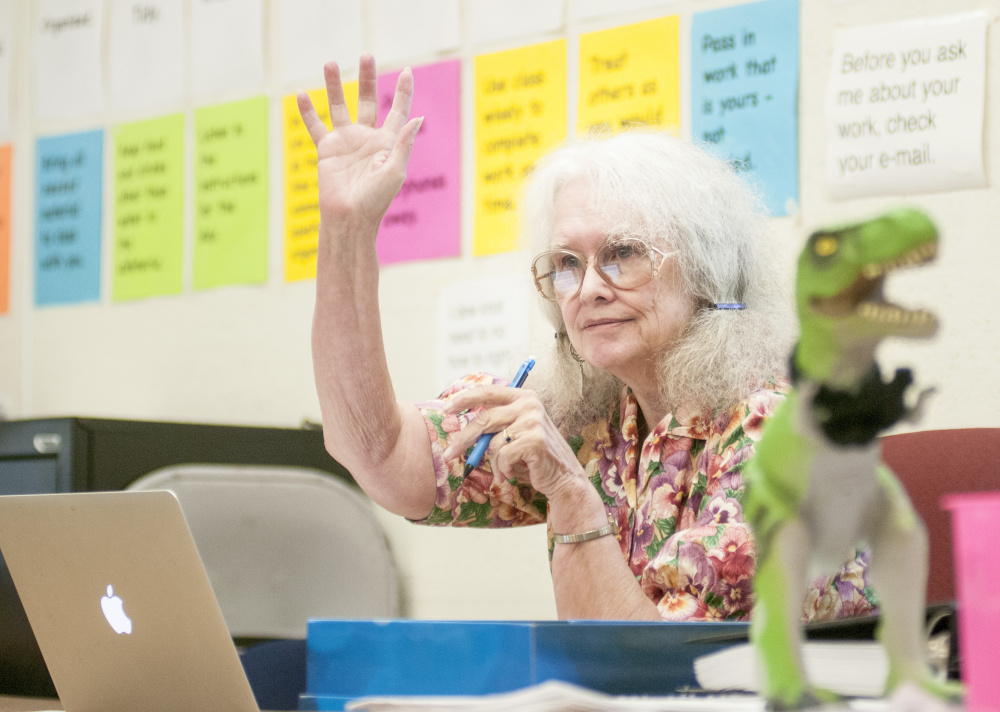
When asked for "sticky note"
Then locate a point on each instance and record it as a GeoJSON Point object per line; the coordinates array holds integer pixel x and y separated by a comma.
{"type": "Point", "coordinates": [629, 75]}
{"type": "Point", "coordinates": [148, 242]}
{"type": "Point", "coordinates": [68, 218]}
{"type": "Point", "coordinates": [424, 220]}
{"type": "Point", "coordinates": [744, 88]}
{"type": "Point", "coordinates": [302, 183]}
{"type": "Point", "coordinates": [230, 194]}
{"type": "Point", "coordinates": [520, 105]}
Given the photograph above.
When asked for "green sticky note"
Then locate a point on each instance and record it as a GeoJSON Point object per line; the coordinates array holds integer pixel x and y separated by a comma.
{"type": "Point", "coordinates": [230, 194]}
{"type": "Point", "coordinates": [149, 208]}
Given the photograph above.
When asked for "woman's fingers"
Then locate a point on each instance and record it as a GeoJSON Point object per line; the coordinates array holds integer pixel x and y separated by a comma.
{"type": "Point", "coordinates": [339, 115]}
{"type": "Point", "coordinates": [314, 125]}
{"type": "Point", "coordinates": [484, 396]}
{"type": "Point", "coordinates": [401, 102]}
{"type": "Point", "coordinates": [367, 92]}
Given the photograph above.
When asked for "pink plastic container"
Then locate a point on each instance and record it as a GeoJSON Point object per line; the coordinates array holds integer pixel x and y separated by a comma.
{"type": "Point", "coordinates": [975, 526]}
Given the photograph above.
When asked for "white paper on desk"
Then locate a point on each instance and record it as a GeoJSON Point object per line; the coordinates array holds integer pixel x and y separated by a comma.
{"type": "Point", "coordinates": [904, 107]}
{"type": "Point", "coordinates": [411, 28]}
{"type": "Point", "coordinates": [490, 21]}
{"type": "Point", "coordinates": [227, 47]}
{"type": "Point", "coordinates": [6, 38]}
{"type": "Point", "coordinates": [316, 31]}
{"type": "Point", "coordinates": [482, 326]}
{"type": "Point", "coordinates": [67, 38]}
{"type": "Point", "coordinates": [146, 54]}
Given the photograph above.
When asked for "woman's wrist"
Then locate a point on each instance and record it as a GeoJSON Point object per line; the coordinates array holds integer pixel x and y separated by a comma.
{"type": "Point", "coordinates": [576, 508]}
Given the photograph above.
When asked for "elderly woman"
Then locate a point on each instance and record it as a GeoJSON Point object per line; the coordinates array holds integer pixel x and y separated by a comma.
{"type": "Point", "coordinates": [630, 442]}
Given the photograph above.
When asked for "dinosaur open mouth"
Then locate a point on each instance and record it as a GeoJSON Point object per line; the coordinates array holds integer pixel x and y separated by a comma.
{"type": "Point", "coordinates": [864, 298]}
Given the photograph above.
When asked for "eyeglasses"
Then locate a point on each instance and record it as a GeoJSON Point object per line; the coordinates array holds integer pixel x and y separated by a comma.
{"type": "Point", "coordinates": [624, 265]}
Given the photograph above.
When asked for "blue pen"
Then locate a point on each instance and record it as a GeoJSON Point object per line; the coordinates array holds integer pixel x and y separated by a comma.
{"type": "Point", "coordinates": [472, 462]}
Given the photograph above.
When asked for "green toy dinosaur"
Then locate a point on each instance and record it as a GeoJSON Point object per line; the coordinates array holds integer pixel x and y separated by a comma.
{"type": "Point", "coordinates": [817, 488]}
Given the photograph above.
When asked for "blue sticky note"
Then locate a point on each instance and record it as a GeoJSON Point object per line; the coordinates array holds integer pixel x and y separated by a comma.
{"type": "Point", "coordinates": [68, 218]}
{"type": "Point", "coordinates": [744, 93]}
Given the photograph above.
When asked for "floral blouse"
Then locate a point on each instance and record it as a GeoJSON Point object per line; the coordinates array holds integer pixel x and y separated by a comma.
{"type": "Point", "coordinates": [677, 502]}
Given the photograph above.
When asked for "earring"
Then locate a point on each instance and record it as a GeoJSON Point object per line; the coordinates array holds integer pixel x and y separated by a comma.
{"type": "Point", "coordinates": [569, 345]}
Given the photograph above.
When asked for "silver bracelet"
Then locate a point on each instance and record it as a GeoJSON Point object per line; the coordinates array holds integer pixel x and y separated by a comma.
{"type": "Point", "coordinates": [610, 528]}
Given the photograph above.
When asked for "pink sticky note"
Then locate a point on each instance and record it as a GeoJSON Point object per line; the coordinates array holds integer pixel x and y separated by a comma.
{"type": "Point", "coordinates": [424, 220]}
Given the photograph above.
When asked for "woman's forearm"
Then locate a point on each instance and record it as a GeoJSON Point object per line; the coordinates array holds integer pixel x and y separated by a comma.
{"type": "Point", "coordinates": [382, 443]}
{"type": "Point", "coordinates": [591, 578]}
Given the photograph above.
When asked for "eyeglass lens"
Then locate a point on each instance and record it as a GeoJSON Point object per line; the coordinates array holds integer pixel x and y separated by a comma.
{"type": "Point", "coordinates": [561, 272]}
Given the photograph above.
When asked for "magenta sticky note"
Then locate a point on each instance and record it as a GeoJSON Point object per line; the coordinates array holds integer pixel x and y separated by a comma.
{"type": "Point", "coordinates": [424, 221]}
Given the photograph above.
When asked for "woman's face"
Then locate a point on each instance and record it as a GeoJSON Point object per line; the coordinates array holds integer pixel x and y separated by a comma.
{"type": "Point", "coordinates": [624, 332]}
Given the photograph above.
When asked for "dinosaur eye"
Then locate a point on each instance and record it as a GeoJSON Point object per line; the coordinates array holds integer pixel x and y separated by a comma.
{"type": "Point", "coordinates": [825, 246]}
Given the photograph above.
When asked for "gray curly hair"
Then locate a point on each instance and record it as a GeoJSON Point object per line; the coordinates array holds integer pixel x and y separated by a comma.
{"type": "Point", "coordinates": [654, 187]}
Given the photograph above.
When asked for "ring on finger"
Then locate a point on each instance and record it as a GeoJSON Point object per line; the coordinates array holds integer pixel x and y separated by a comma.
{"type": "Point", "coordinates": [506, 438]}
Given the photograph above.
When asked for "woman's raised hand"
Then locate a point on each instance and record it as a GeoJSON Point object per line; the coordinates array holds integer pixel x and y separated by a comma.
{"type": "Point", "coordinates": [361, 166]}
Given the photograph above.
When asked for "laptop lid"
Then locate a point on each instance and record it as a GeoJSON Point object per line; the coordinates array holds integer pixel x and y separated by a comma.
{"type": "Point", "coordinates": [120, 603]}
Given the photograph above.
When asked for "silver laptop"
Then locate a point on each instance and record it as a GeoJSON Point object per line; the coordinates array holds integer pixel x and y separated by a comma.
{"type": "Point", "coordinates": [120, 604]}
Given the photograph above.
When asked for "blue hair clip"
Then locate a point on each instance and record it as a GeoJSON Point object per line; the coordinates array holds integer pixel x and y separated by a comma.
{"type": "Point", "coordinates": [727, 306]}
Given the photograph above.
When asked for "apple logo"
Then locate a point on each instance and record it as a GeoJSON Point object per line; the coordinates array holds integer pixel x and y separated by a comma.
{"type": "Point", "coordinates": [114, 611]}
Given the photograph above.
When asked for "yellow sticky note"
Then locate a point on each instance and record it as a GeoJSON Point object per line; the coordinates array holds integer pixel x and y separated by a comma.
{"type": "Point", "coordinates": [629, 75]}
{"type": "Point", "coordinates": [520, 115]}
{"type": "Point", "coordinates": [301, 183]}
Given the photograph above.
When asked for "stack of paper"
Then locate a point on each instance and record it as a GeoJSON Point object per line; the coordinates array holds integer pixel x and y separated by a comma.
{"type": "Point", "coordinates": [853, 669]}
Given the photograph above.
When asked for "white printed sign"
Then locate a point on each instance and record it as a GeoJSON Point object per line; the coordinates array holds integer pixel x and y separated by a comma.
{"type": "Point", "coordinates": [146, 51]}
{"type": "Point", "coordinates": [68, 36]}
{"type": "Point", "coordinates": [314, 32]}
{"type": "Point", "coordinates": [227, 46]}
{"type": "Point", "coordinates": [406, 29]}
{"type": "Point", "coordinates": [905, 107]}
{"type": "Point", "coordinates": [6, 38]}
{"type": "Point", "coordinates": [482, 325]}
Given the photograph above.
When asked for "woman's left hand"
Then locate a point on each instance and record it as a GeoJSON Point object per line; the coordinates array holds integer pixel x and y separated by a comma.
{"type": "Point", "coordinates": [536, 454]}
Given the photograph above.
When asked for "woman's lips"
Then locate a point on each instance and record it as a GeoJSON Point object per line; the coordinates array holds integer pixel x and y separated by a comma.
{"type": "Point", "coordinates": [599, 323]}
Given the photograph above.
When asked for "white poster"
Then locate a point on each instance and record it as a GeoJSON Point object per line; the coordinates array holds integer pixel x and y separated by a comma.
{"type": "Point", "coordinates": [146, 54]}
{"type": "Point", "coordinates": [905, 107]}
{"type": "Point", "coordinates": [589, 9]}
{"type": "Point", "coordinates": [482, 326]}
{"type": "Point", "coordinates": [6, 37]}
{"type": "Point", "coordinates": [491, 21]}
{"type": "Point", "coordinates": [227, 47]}
{"type": "Point", "coordinates": [409, 29]}
{"type": "Point", "coordinates": [67, 37]}
{"type": "Point", "coordinates": [317, 31]}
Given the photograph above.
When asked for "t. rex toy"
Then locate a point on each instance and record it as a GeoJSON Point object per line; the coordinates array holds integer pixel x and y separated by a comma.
{"type": "Point", "coordinates": [816, 488]}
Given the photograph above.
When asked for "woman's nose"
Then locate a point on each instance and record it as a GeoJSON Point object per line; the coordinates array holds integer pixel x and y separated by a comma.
{"type": "Point", "coordinates": [593, 286]}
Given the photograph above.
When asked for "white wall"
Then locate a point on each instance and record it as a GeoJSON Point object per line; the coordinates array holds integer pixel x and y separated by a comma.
{"type": "Point", "coordinates": [241, 355]}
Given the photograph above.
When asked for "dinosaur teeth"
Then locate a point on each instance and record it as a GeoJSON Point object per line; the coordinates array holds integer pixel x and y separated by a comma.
{"type": "Point", "coordinates": [888, 314]}
{"type": "Point", "coordinates": [916, 256]}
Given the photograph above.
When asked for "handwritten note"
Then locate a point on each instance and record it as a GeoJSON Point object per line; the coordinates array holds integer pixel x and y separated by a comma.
{"type": "Point", "coordinates": [905, 107]}
{"type": "Point", "coordinates": [483, 325]}
{"type": "Point", "coordinates": [744, 87]}
{"type": "Point", "coordinates": [629, 75]}
{"type": "Point", "coordinates": [230, 194]}
{"type": "Point", "coordinates": [149, 208]}
{"type": "Point", "coordinates": [68, 41]}
{"type": "Point", "coordinates": [146, 54]}
{"type": "Point", "coordinates": [424, 220]}
{"type": "Point", "coordinates": [68, 218]}
{"type": "Point", "coordinates": [6, 39]}
{"type": "Point", "coordinates": [227, 46]}
{"type": "Point", "coordinates": [520, 104]}
{"type": "Point", "coordinates": [5, 169]}
{"type": "Point", "coordinates": [302, 184]}
{"type": "Point", "coordinates": [315, 31]}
